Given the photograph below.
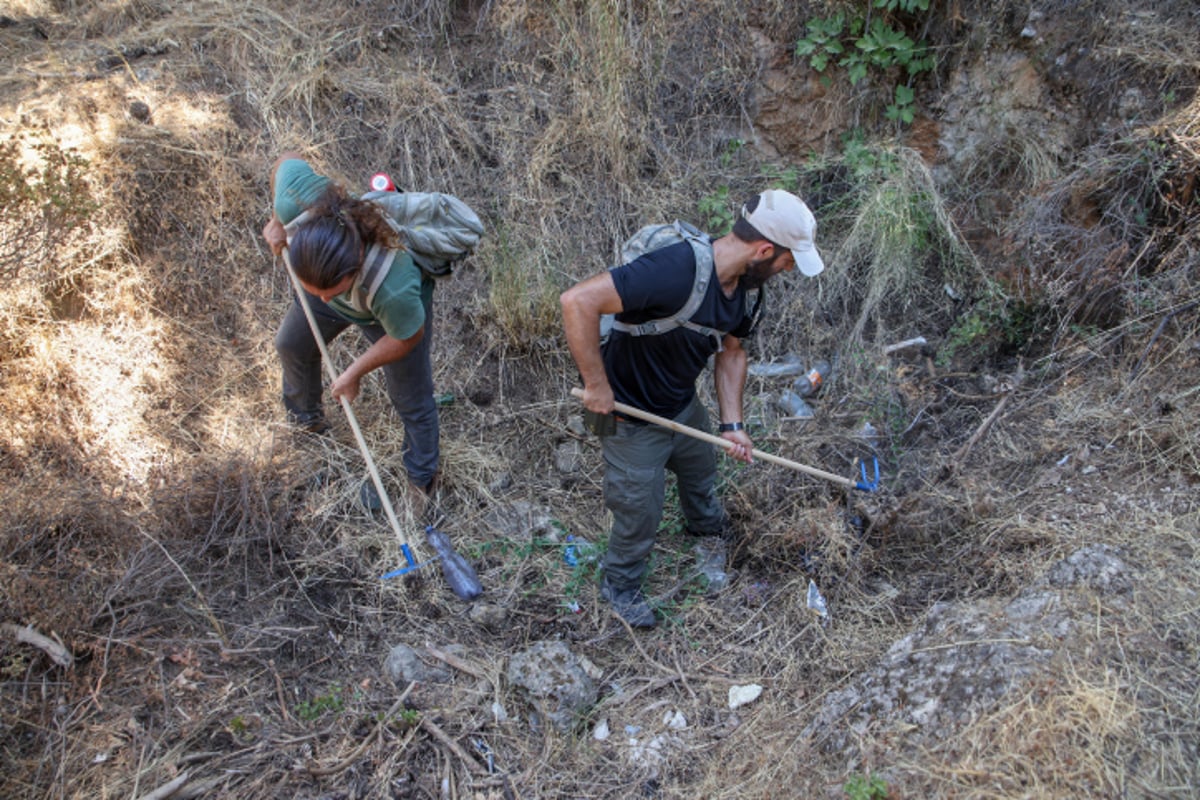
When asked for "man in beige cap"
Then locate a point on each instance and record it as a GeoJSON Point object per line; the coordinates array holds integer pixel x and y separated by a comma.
{"type": "Point", "coordinates": [654, 367]}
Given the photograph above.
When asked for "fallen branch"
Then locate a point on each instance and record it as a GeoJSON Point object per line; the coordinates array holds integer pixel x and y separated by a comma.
{"type": "Point", "coordinates": [59, 653]}
{"type": "Point", "coordinates": [462, 665]}
{"type": "Point", "coordinates": [431, 727]}
{"type": "Point", "coordinates": [167, 789]}
{"type": "Point", "coordinates": [963, 451]}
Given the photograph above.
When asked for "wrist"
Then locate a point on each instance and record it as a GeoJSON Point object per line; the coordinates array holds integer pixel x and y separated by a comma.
{"type": "Point", "coordinates": [726, 427]}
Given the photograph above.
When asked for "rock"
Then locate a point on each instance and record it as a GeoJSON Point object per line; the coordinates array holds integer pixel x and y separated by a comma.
{"type": "Point", "coordinates": [139, 111]}
{"type": "Point", "coordinates": [966, 657]}
{"type": "Point", "coordinates": [522, 521]}
{"type": "Point", "coordinates": [555, 682]}
{"type": "Point", "coordinates": [488, 615]}
{"type": "Point", "coordinates": [1097, 566]}
{"type": "Point", "coordinates": [568, 457]}
{"type": "Point", "coordinates": [405, 665]}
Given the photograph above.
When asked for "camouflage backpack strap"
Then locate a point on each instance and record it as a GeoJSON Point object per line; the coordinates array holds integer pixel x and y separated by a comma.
{"type": "Point", "coordinates": [702, 248]}
{"type": "Point", "coordinates": [374, 272]}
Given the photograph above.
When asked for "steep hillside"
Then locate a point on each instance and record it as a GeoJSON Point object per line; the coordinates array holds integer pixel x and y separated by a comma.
{"type": "Point", "coordinates": [1006, 195]}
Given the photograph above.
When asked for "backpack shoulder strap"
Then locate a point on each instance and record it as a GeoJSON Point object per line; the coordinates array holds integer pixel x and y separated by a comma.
{"type": "Point", "coordinates": [702, 248]}
{"type": "Point", "coordinates": [375, 269]}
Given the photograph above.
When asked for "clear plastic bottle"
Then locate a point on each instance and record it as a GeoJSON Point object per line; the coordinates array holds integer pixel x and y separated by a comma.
{"type": "Point", "coordinates": [793, 405]}
{"type": "Point", "coordinates": [810, 382]}
{"type": "Point", "coordinates": [457, 571]}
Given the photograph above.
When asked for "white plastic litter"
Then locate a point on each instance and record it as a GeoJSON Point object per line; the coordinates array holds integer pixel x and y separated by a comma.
{"type": "Point", "coordinates": [740, 695]}
{"type": "Point", "coordinates": [815, 601]}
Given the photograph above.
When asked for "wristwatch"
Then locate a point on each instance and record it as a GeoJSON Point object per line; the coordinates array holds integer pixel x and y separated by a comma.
{"type": "Point", "coordinates": [725, 427]}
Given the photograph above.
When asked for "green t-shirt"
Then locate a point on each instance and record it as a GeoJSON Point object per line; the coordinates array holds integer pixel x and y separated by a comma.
{"type": "Point", "coordinates": [397, 305]}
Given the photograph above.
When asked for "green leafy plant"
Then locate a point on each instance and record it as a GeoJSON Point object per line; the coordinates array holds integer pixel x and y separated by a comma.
{"type": "Point", "coordinates": [823, 42]}
{"type": "Point", "coordinates": [862, 47]}
{"type": "Point", "coordinates": [732, 148]}
{"type": "Point", "coordinates": [787, 178]}
{"type": "Point", "coordinates": [865, 787]}
{"type": "Point", "coordinates": [902, 109]}
{"type": "Point", "coordinates": [330, 702]}
{"type": "Point", "coordinates": [715, 212]}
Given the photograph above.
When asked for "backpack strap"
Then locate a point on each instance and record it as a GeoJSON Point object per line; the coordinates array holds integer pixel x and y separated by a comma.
{"type": "Point", "coordinates": [375, 268]}
{"type": "Point", "coordinates": [702, 248]}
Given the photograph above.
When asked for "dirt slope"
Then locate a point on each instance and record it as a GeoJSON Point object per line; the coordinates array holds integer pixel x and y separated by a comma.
{"type": "Point", "coordinates": [1013, 613]}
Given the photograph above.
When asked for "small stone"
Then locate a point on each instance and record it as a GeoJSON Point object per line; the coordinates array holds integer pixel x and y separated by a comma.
{"type": "Point", "coordinates": [139, 111]}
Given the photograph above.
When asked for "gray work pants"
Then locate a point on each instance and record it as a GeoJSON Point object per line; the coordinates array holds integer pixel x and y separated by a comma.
{"type": "Point", "coordinates": [636, 460]}
{"type": "Point", "coordinates": [409, 380]}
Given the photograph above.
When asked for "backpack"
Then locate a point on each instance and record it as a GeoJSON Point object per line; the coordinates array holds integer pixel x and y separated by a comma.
{"type": "Point", "coordinates": [439, 231]}
{"type": "Point", "coordinates": [655, 237]}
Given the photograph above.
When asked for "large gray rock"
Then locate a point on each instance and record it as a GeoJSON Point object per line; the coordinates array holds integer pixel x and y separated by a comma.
{"type": "Point", "coordinates": [964, 657]}
{"type": "Point", "coordinates": [556, 683]}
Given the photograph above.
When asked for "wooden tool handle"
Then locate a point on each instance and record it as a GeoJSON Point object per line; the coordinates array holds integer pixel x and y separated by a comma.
{"type": "Point", "coordinates": [723, 443]}
{"type": "Point", "coordinates": [385, 501]}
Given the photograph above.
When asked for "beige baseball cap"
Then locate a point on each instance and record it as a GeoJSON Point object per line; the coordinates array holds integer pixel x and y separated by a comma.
{"type": "Point", "coordinates": [785, 220]}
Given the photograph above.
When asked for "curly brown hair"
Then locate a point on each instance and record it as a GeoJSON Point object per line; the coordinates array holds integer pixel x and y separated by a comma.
{"type": "Point", "coordinates": [330, 246]}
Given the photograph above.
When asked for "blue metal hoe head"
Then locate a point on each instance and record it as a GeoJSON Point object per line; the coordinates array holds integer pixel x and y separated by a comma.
{"type": "Point", "coordinates": [410, 566]}
{"type": "Point", "coordinates": [868, 485]}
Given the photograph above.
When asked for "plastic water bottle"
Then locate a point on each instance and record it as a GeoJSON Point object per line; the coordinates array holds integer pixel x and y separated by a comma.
{"type": "Point", "coordinates": [711, 558]}
{"type": "Point", "coordinates": [571, 553]}
{"type": "Point", "coordinates": [578, 551]}
{"type": "Point", "coordinates": [458, 573]}
{"type": "Point", "coordinates": [810, 382]}
{"type": "Point", "coordinates": [793, 405]}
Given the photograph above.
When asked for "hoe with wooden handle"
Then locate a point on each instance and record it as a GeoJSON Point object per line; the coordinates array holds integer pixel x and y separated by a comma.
{"type": "Point", "coordinates": [863, 485]}
{"type": "Point", "coordinates": [458, 572]}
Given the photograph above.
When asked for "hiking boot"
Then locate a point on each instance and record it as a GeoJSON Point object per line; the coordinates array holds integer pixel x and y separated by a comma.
{"type": "Point", "coordinates": [415, 499]}
{"type": "Point", "coordinates": [418, 499]}
{"type": "Point", "coordinates": [313, 423]}
{"type": "Point", "coordinates": [630, 604]}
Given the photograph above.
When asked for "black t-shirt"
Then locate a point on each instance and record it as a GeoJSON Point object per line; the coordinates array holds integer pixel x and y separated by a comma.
{"type": "Point", "coordinates": [658, 373]}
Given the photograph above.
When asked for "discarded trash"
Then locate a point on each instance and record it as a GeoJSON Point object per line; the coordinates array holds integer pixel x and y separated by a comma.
{"type": "Point", "coordinates": [675, 720]}
{"type": "Point", "coordinates": [578, 551]}
{"type": "Point", "coordinates": [486, 751]}
{"type": "Point", "coordinates": [446, 399]}
{"type": "Point", "coordinates": [711, 558]}
{"type": "Point", "coordinates": [457, 571]}
{"type": "Point", "coordinates": [600, 732]}
{"type": "Point", "coordinates": [740, 695]}
{"type": "Point", "coordinates": [918, 341]}
{"type": "Point", "coordinates": [786, 367]}
{"type": "Point", "coordinates": [810, 382]}
{"type": "Point", "coordinates": [815, 601]}
{"type": "Point", "coordinates": [869, 434]}
{"type": "Point", "coordinates": [792, 405]}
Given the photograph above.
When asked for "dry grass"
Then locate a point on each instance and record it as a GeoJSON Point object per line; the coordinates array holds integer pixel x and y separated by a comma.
{"type": "Point", "coordinates": [218, 581]}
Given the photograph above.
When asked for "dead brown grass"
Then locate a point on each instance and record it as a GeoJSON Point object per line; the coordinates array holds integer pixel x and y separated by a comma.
{"type": "Point", "coordinates": [218, 582]}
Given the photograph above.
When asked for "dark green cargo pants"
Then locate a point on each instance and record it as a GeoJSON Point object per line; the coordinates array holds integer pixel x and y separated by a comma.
{"type": "Point", "coordinates": [636, 460]}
